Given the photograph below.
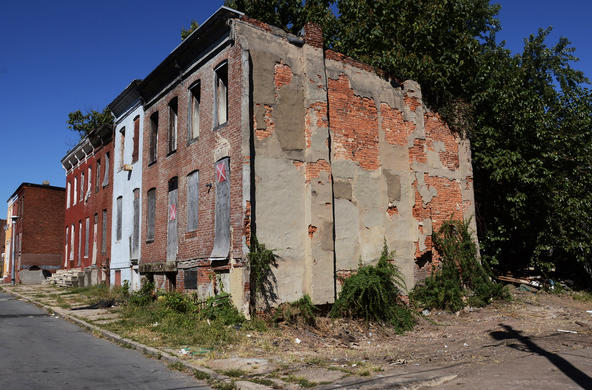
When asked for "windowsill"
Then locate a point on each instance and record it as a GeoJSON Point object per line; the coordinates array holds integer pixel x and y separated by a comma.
{"type": "Point", "coordinates": [171, 153]}
{"type": "Point", "coordinates": [192, 140]}
{"type": "Point", "coordinates": [151, 163]}
{"type": "Point", "coordinates": [150, 241]}
{"type": "Point", "coordinates": [220, 126]}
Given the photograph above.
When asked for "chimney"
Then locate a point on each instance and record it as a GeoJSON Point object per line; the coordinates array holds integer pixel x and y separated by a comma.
{"type": "Point", "coordinates": [313, 35]}
{"type": "Point", "coordinates": [45, 182]}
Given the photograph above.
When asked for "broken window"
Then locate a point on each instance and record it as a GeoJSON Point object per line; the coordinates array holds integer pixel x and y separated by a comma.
{"type": "Point", "coordinates": [153, 137]}
{"type": "Point", "coordinates": [221, 94]}
{"type": "Point", "coordinates": [118, 228]}
{"type": "Point", "coordinates": [136, 225]}
{"type": "Point", "coordinates": [173, 125]}
{"type": "Point", "coordinates": [106, 176]}
{"type": "Point", "coordinates": [104, 234]}
{"type": "Point", "coordinates": [192, 200]}
{"type": "Point", "coordinates": [98, 178]}
{"type": "Point", "coordinates": [195, 93]}
{"type": "Point", "coordinates": [86, 237]}
{"type": "Point", "coordinates": [151, 214]}
{"type": "Point", "coordinates": [122, 148]}
{"type": "Point", "coordinates": [172, 220]}
{"type": "Point", "coordinates": [136, 139]}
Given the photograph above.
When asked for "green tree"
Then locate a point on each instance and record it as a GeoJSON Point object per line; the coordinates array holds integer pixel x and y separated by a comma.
{"type": "Point", "coordinates": [185, 32]}
{"type": "Point", "coordinates": [91, 120]}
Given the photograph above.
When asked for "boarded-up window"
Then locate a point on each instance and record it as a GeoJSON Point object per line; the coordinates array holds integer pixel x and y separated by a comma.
{"type": "Point", "coordinates": [192, 200]}
{"type": "Point", "coordinates": [172, 220]}
{"type": "Point", "coordinates": [153, 137]}
{"type": "Point", "coordinates": [151, 214]}
{"type": "Point", "coordinates": [75, 195]}
{"type": "Point", "coordinates": [79, 241]}
{"type": "Point", "coordinates": [89, 184]}
{"type": "Point", "coordinates": [173, 108]}
{"type": "Point", "coordinates": [194, 102]}
{"type": "Point", "coordinates": [98, 178]}
{"type": "Point", "coordinates": [190, 279]}
{"type": "Point", "coordinates": [95, 237]}
{"type": "Point", "coordinates": [222, 222]}
{"type": "Point", "coordinates": [118, 278]}
{"type": "Point", "coordinates": [81, 186]}
{"type": "Point", "coordinates": [122, 148]}
{"type": "Point", "coordinates": [221, 94]}
{"type": "Point", "coordinates": [104, 234]}
{"type": "Point", "coordinates": [106, 176]}
{"type": "Point", "coordinates": [136, 139]}
{"type": "Point", "coordinates": [119, 218]}
{"type": "Point", "coordinates": [68, 189]}
{"type": "Point", "coordinates": [136, 226]}
{"type": "Point", "coordinates": [86, 237]}
{"type": "Point", "coordinates": [66, 246]}
{"type": "Point", "coordinates": [72, 235]}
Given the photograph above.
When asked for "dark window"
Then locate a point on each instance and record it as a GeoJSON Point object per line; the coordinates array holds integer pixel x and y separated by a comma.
{"type": "Point", "coordinates": [81, 186]}
{"type": "Point", "coordinates": [221, 94]}
{"type": "Point", "coordinates": [195, 94]}
{"type": "Point", "coordinates": [153, 137]}
{"type": "Point", "coordinates": [173, 109]}
{"type": "Point", "coordinates": [106, 176]}
{"type": "Point", "coordinates": [104, 234]}
{"type": "Point", "coordinates": [136, 139]}
{"type": "Point", "coordinates": [119, 216]}
{"type": "Point", "coordinates": [151, 214]}
{"type": "Point", "coordinates": [192, 200]}
{"type": "Point", "coordinates": [172, 219]}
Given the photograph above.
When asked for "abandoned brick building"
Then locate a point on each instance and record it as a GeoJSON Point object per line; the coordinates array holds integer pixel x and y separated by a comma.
{"type": "Point", "coordinates": [87, 227]}
{"type": "Point", "coordinates": [249, 129]}
{"type": "Point", "coordinates": [36, 214]}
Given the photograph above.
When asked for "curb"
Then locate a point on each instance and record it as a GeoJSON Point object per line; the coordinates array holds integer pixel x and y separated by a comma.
{"type": "Point", "coordinates": [115, 338]}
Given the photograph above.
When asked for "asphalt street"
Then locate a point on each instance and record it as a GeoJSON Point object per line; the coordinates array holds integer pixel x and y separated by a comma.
{"type": "Point", "coordinates": [40, 351]}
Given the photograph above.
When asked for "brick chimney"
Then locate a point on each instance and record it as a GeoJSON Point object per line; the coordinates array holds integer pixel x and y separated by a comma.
{"type": "Point", "coordinates": [313, 35]}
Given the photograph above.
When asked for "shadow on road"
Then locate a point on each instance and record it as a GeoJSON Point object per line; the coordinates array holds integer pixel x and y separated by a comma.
{"type": "Point", "coordinates": [563, 365]}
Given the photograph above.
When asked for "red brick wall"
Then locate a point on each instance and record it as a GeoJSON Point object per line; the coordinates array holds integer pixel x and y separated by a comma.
{"type": "Point", "coordinates": [95, 204]}
{"type": "Point", "coordinates": [198, 155]}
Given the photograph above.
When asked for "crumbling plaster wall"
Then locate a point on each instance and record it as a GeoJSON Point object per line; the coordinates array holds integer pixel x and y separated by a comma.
{"type": "Point", "coordinates": [398, 170]}
{"type": "Point", "coordinates": [394, 169]}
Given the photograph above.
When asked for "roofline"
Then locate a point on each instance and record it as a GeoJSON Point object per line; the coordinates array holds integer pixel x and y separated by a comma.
{"type": "Point", "coordinates": [23, 185]}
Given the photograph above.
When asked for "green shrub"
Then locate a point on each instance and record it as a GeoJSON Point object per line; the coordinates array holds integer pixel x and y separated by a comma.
{"type": "Point", "coordinates": [461, 278]}
{"type": "Point", "coordinates": [262, 279]}
{"type": "Point", "coordinates": [301, 310]}
{"type": "Point", "coordinates": [374, 293]}
{"type": "Point", "coordinates": [144, 295]}
{"type": "Point", "coordinates": [220, 308]}
{"type": "Point", "coordinates": [178, 302]}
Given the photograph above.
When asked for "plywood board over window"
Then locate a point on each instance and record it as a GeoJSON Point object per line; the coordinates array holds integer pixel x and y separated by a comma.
{"type": "Point", "coordinates": [221, 89]}
{"type": "Point", "coordinates": [136, 225]}
{"type": "Point", "coordinates": [194, 103]}
{"type": "Point", "coordinates": [104, 233]}
{"type": "Point", "coordinates": [192, 200]}
{"type": "Point", "coordinates": [172, 241]}
{"type": "Point", "coordinates": [150, 214]}
{"type": "Point", "coordinates": [136, 139]}
{"type": "Point", "coordinates": [153, 137]}
{"type": "Point", "coordinates": [173, 109]}
{"type": "Point", "coordinates": [119, 218]}
{"type": "Point", "coordinates": [222, 218]}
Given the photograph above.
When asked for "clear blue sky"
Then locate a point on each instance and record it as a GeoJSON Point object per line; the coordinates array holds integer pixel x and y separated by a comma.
{"type": "Point", "coordinates": [60, 56]}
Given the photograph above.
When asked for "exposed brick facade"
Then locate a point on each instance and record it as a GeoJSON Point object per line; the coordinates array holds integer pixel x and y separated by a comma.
{"type": "Point", "coordinates": [89, 252]}
{"type": "Point", "coordinates": [39, 228]}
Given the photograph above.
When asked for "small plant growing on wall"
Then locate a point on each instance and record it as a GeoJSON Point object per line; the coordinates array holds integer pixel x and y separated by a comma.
{"type": "Point", "coordinates": [262, 280]}
{"type": "Point", "coordinates": [374, 294]}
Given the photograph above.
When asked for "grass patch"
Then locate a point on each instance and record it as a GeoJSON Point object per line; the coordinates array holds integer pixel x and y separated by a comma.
{"type": "Point", "coordinates": [461, 279]}
{"type": "Point", "coordinates": [374, 294]}
{"type": "Point", "coordinates": [582, 296]}
{"type": "Point", "coordinates": [62, 302]}
{"type": "Point", "coordinates": [201, 375]}
{"type": "Point", "coordinates": [234, 373]}
{"type": "Point", "coordinates": [264, 382]}
{"type": "Point", "coordinates": [300, 311]}
{"type": "Point", "coordinates": [177, 366]}
{"type": "Point", "coordinates": [299, 381]}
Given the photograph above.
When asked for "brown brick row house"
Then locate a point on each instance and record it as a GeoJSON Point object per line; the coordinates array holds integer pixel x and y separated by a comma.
{"type": "Point", "coordinates": [249, 129]}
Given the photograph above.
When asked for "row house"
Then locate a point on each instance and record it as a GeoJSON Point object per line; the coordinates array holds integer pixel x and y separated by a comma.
{"type": "Point", "coordinates": [252, 130]}
{"type": "Point", "coordinates": [34, 233]}
{"type": "Point", "coordinates": [89, 191]}
{"type": "Point", "coordinates": [127, 186]}
{"type": "Point", "coordinates": [3, 229]}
